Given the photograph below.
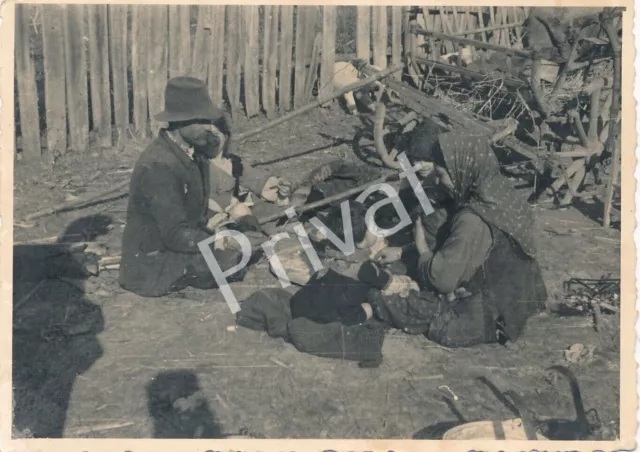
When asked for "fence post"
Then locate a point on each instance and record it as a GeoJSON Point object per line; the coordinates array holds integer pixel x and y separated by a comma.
{"type": "Point", "coordinates": [99, 73]}
{"type": "Point", "coordinates": [140, 23]}
{"type": "Point", "coordinates": [202, 41]}
{"type": "Point", "coordinates": [270, 58]}
{"type": "Point", "coordinates": [251, 55]}
{"type": "Point", "coordinates": [76, 76]}
{"type": "Point", "coordinates": [216, 63]}
{"type": "Point", "coordinates": [328, 51]}
{"type": "Point", "coordinates": [363, 33]}
{"type": "Point", "coordinates": [380, 36]}
{"type": "Point", "coordinates": [286, 53]}
{"type": "Point", "coordinates": [27, 91]}
{"type": "Point", "coordinates": [233, 57]}
{"type": "Point", "coordinates": [303, 40]}
{"type": "Point", "coordinates": [54, 81]}
{"type": "Point", "coordinates": [118, 62]}
{"type": "Point", "coordinates": [179, 39]}
{"type": "Point", "coordinates": [157, 64]}
{"type": "Point", "coordinates": [396, 38]}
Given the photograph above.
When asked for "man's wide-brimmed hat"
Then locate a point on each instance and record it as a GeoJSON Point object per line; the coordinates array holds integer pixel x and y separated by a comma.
{"type": "Point", "coordinates": [187, 99]}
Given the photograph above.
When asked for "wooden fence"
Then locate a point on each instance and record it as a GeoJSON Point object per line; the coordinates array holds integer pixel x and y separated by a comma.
{"type": "Point", "coordinates": [95, 74]}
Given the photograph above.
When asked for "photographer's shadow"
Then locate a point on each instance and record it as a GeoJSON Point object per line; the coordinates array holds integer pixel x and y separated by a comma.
{"type": "Point", "coordinates": [55, 329]}
{"type": "Point", "coordinates": [178, 408]}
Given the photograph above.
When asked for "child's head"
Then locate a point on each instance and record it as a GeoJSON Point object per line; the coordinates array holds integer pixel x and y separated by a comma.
{"type": "Point", "coordinates": [335, 222]}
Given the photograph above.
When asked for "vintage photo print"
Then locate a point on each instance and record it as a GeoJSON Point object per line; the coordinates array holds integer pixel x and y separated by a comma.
{"type": "Point", "coordinates": [317, 227]}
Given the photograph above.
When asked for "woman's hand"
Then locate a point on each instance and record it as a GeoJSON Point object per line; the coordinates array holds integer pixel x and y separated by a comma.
{"type": "Point", "coordinates": [388, 255]}
{"type": "Point", "coordinates": [419, 237]}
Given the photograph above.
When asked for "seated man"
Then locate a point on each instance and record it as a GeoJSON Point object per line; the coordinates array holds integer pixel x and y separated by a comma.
{"type": "Point", "coordinates": [168, 199]}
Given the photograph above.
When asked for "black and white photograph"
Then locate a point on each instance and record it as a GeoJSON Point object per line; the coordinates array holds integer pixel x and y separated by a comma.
{"type": "Point", "coordinates": [258, 222]}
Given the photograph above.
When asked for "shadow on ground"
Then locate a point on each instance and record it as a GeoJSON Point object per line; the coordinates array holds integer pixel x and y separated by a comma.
{"type": "Point", "coordinates": [178, 407]}
{"type": "Point", "coordinates": [55, 328]}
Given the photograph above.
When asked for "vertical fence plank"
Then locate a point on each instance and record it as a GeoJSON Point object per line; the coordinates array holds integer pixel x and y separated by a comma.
{"type": "Point", "coordinates": [216, 64]}
{"type": "Point", "coordinates": [233, 57]}
{"type": "Point", "coordinates": [201, 50]}
{"type": "Point", "coordinates": [312, 73]}
{"type": "Point", "coordinates": [118, 62]}
{"type": "Point", "coordinates": [54, 81]}
{"type": "Point", "coordinates": [99, 72]}
{"type": "Point", "coordinates": [493, 23]}
{"type": "Point", "coordinates": [179, 40]}
{"type": "Point", "coordinates": [251, 55]}
{"type": "Point", "coordinates": [516, 28]}
{"type": "Point", "coordinates": [76, 76]}
{"type": "Point", "coordinates": [303, 35]}
{"type": "Point", "coordinates": [286, 52]}
{"type": "Point", "coordinates": [270, 58]}
{"type": "Point", "coordinates": [396, 38]}
{"type": "Point", "coordinates": [27, 91]}
{"type": "Point", "coordinates": [363, 33]}
{"type": "Point", "coordinates": [140, 23]}
{"type": "Point", "coordinates": [380, 36]}
{"type": "Point", "coordinates": [329, 24]}
{"type": "Point", "coordinates": [157, 64]}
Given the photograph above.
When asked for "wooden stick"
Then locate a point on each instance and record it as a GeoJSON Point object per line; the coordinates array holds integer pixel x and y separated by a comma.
{"type": "Point", "coordinates": [473, 42]}
{"type": "Point", "coordinates": [536, 88]}
{"type": "Point", "coordinates": [328, 200]}
{"type": "Point", "coordinates": [312, 75]}
{"type": "Point", "coordinates": [29, 294]}
{"type": "Point", "coordinates": [612, 143]}
{"type": "Point", "coordinates": [575, 116]}
{"type": "Point", "coordinates": [567, 66]}
{"type": "Point", "coordinates": [77, 203]}
{"type": "Point", "coordinates": [378, 136]}
{"type": "Point", "coordinates": [483, 29]}
{"type": "Point", "coordinates": [353, 87]}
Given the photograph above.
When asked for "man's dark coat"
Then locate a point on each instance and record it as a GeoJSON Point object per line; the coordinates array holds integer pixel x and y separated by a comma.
{"type": "Point", "coordinates": [166, 215]}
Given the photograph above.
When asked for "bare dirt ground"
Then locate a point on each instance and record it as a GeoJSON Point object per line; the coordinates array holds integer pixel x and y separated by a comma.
{"type": "Point", "coordinates": [94, 381]}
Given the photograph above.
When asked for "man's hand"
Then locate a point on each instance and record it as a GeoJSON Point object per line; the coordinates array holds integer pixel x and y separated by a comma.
{"type": "Point", "coordinates": [389, 255]}
{"type": "Point", "coordinates": [284, 188]}
{"type": "Point", "coordinates": [420, 238]}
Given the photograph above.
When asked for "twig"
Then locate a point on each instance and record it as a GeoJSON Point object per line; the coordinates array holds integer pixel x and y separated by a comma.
{"type": "Point", "coordinates": [29, 294]}
{"type": "Point", "coordinates": [98, 428]}
{"type": "Point", "coordinates": [75, 204]}
{"type": "Point", "coordinates": [579, 128]}
{"type": "Point", "coordinates": [107, 260]}
{"type": "Point", "coordinates": [597, 316]}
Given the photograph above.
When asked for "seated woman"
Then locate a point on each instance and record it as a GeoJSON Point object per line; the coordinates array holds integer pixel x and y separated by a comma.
{"type": "Point", "coordinates": [480, 280]}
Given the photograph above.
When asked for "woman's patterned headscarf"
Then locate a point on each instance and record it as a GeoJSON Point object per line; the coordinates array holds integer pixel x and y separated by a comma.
{"type": "Point", "coordinates": [479, 185]}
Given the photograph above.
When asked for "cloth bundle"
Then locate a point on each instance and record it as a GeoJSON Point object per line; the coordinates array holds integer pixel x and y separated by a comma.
{"type": "Point", "coordinates": [324, 318]}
